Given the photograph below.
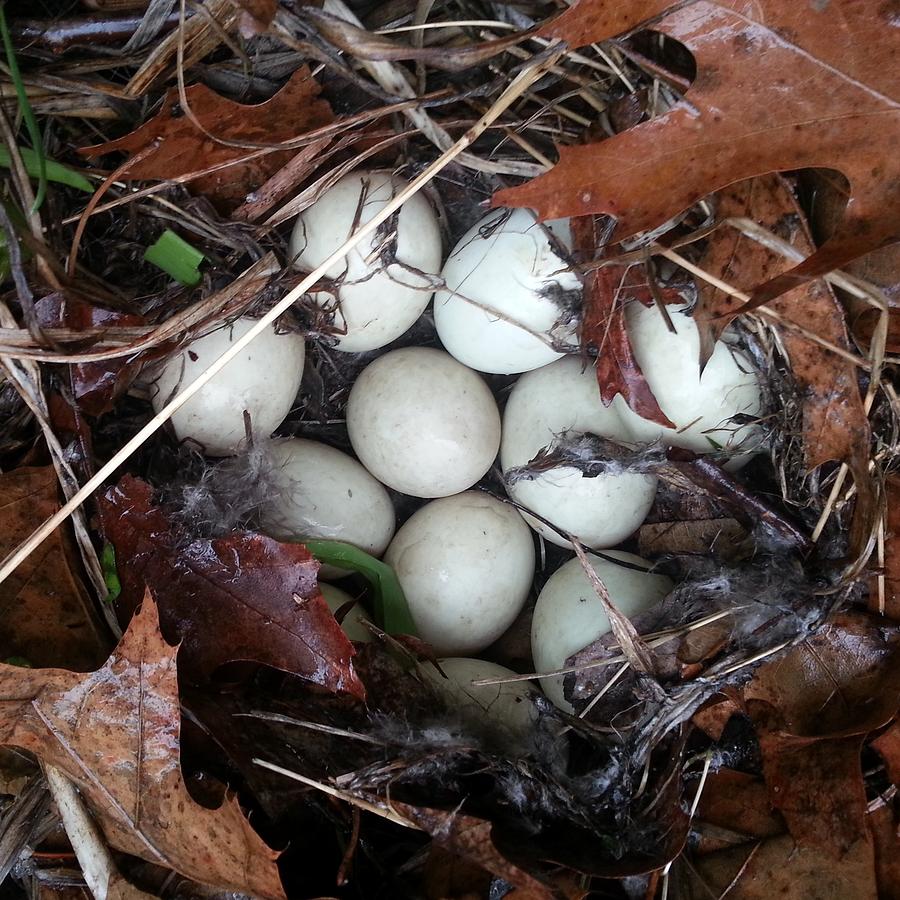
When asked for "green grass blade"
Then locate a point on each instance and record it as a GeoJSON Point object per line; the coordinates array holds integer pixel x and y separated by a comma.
{"type": "Point", "coordinates": [391, 610]}
{"type": "Point", "coordinates": [55, 171]}
{"type": "Point", "coordinates": [25, 108]}
{"type": "Point", "coordinates": [110, 573]}
{"type": "Point", "coordinates": [176, 257]}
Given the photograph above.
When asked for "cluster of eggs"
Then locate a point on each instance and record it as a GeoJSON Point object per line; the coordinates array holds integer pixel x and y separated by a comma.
{"type": "Point", "coordinates": [423, 422]}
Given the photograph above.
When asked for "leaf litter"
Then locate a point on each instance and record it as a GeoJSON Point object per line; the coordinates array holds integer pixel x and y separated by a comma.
{"type": "Point", "coordinates": [758, 751]}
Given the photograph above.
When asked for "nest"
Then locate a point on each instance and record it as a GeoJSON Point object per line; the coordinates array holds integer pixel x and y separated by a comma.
{"type": "Point", "coordinates": [599, 792]}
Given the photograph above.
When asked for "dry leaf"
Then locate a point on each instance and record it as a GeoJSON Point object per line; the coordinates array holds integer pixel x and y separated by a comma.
{"type": "Point", "coordinates": [184, 148]}
{"type": "Point", "coordinates": [835, 427]}
{"type": "Point", "coordinates": [470, 838]}
{"type": "Point", "coordinates": [244, 597]}
{"type": "Point", "coordinates": [115, 733]}
{"type": "Point", "coordinates": [779, 868]}
{"type": "Point", "coordinates": [46, 613]}
{"type": "Point", "coordinates": [891, 548]}
{"type": "Point", "coordinates": [883, 827]}
{"type": "Point", "coordinates": [780, 85]}
{"type": "Point", "coordinates": [813, 709]}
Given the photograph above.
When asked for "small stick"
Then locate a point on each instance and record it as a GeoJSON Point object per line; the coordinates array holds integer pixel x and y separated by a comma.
{"type": "Point", "coordinates": [90, 849]}
{"type": "Point", "coordinates": [519, 84]}
{"type": "Point", "coordinates": [346, 796]}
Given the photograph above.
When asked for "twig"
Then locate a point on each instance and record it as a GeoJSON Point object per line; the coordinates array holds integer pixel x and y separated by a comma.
{"type": "Point", "coordinates": [91, 851]}
{"type": "Point", "coordinates": [521, 83]}
{"type": "Point", "coordinates": [346, 796]}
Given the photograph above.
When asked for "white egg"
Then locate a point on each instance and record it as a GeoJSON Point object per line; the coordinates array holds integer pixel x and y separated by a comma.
{"type": "Point", "coordinates": [563, 396]}
{"type": "Point", "coordinates": [328, 495]}
{"type": "Point", "coordinates": [700, 405]}
{"type": "Point", "coordinates": [504, 306]}
{"type": "Point", "coordinates": [465, 564]}
{"type": "Point", "coordinates": [569, 615]}
{"type": "Point", "coordinates": [506, 707]}
{"type": "Point", "coordinates": [422, 423]}
{"type": "Point", "coordinates": [384, 284]}
{"type": "Point", "coordinates": [263, 380]}
{"type": "Point", "coordinates": [353, 628]}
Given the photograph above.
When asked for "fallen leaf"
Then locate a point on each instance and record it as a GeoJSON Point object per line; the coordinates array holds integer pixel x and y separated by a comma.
{"type": "Point", "coordinates": [726, 538]}
{"type": "Point", "coordinates": [843, 680]}
{"type": "Point", "coordinates": [47, 614]}
{"type": "Point", "coordinates": [813, 708]}
{"type": "Point", "coordinates": [883, 827]}
{"type": "Point", "coordinates": [184, 148]}
{"type": "Point", "coordinates": [738, 802]}
{"type": "Point", "coordinates": [835, 426]}
{"type": "Point", "coordinates": [115, 733]}
{"type": "Point", "coordinates": [779, 868]}
{"type": "Point", "coordinates": [891, 548]}
{"type": "Point", "coordinates": [779, 86]}
{"type": "Point", "coordinates": [256, 16]}
{"type": "Point", "coordinates": [470, 838]}
{"type": "Point", "coordinates": [603, 331]}
{"type": "Point", "coordinates": [95, 385]}
{"type": "Point", "coordinates": [887, 745]}
{"type": "Point", "coordinates": [242, 597]}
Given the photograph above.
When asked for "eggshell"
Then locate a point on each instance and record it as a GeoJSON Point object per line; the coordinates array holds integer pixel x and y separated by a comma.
{"type": "Point", "coordinates": [569, 615]}
{"type": "Point", "coordinates": [700, 404]}
{"type": "Point", "coordinates": [506, 706]}
{"type": "Point", "coordinates": [563, 396]}
{"type": "Point", "coordinates": [422, 423]}
{"type": "Point", "coordinates": [263, 379]}
{"type": "Point", "coordinates": [353, 628]}
{"type": "Point", "coordinates": [384, 284]}
{"type": "Point", "coordinates": [504, 305]}
{"type": "Point", "coordinates": [465, 564]}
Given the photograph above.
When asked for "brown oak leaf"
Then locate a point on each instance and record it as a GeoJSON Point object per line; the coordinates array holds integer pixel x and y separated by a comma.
{"type": "Point", "coordinates": [115, 733]}
{"type": "Point", "coordinates": [780, 85]}
{"type": "Point", "coordinates": [184, 148]}
{"type": "Point", "coordinates": [242, 597]}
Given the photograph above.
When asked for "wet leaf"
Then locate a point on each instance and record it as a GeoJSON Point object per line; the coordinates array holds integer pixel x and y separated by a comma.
{"type": "Point", "coordinates": [46, 613]}
{"type": "Point", "coordinates": [184, 148]}
{"type": "Point", "coordinates": [95, 385]}
{"type": "Point", "coordinates": [115, 732]}
{"type": "Point", "coordinates": [243, 597]}
{"type": "Point", "coordinates": [603, 333]}
{"type": "Point", "coordinates": [779, 86]}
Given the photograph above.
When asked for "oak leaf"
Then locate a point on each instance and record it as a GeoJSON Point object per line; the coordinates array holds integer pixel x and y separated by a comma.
{"type": "Point", "coordinates": [46, 613]}
{"type": "Point", "coordinates": [115, 733]}
{"type": "Point", "coordinates": [242, 597]}
{"type": "Point", "coordinates": [835, 426]}
{"type": "Point", "coordinates": [813, 709]}
{"type": "Point", "coordinates": [779, 86]}
{"type": "Point", "coordinates": [184, 148]}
